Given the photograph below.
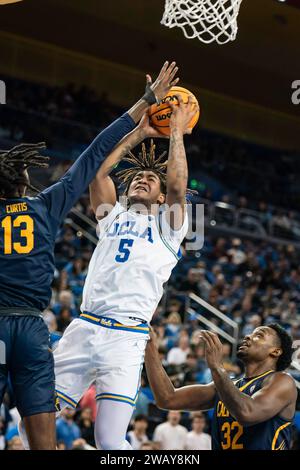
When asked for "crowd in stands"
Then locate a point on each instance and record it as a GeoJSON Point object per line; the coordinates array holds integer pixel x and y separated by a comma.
{"type": "Point", "coordinates": [68, 117]}
{"type": "Point", "coordinates": [251, 281]}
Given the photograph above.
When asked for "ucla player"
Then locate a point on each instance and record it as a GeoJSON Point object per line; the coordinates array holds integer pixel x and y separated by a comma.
{"type": "Point", "coordinates": [28, 228]}
{"type": "Point", "coordinates": [139, 245]}
{"type": "Point", "coordinates": [252, 413]}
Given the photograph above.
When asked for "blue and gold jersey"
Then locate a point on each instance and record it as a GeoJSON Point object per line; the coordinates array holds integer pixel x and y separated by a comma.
{"type": "Point", "coordinates": [228, 434]}
{"type": "Point", "coordinates": [28, 226]}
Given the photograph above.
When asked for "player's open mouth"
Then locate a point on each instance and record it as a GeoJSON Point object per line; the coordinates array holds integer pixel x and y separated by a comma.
{"type": "Point", "coordinates": [244, 345]}
{"type": "Point", "coordinates": [141, 188]}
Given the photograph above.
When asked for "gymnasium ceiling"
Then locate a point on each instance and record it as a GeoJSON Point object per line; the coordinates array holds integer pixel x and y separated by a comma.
{"type": "Point", "coordinates": [258, 67]}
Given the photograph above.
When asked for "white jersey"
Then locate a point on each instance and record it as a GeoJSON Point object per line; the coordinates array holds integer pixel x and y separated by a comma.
{"type": "Point", "coordinates": [133, 259]}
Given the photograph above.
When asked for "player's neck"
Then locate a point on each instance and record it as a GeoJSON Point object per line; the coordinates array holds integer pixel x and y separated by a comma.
{"type": "Point", "coordinates": [139, 209]}
{"type": "Point", "coordinates": [256, 369]}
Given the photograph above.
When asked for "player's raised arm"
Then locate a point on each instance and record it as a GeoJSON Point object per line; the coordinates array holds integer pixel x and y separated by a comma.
{"type": "Point", "coordinates": [189, 398]}
{"type": "Point", "coordinates": [61, 197]}
{"type": "Point", "coordinates": [177, 173]}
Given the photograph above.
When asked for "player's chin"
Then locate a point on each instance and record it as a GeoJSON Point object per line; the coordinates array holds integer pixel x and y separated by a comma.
{"type": "Point", "coordinates": [242, 353]}
{"type": "Point", "coordinates": [140, 197]}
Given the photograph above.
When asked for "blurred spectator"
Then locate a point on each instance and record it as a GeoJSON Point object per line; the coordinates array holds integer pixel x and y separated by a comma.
{"type": "Point", "coordinates": [138, 435]}
{"type": "Point", "coordinates": [51, 322]}
{"type": "Point", "coordinates": [2, 433]}
{"type": "Point", "coordinates": [229, 365]}
{"type": "Point", "coordinates": [81, 444]}
{"type": "Point", "coordinates": [61, 445]}
{"type": "Point", "coordinates": [86, 425]}
{"type": "Point", "coordinates": [197, 439]}
{"type": "Point", "coordinates": [66, 429]}
{"type": "Point", "coordinates": [89, 401]}
{"type": "Point", "coordinates": [191, 283]}
{"type": "Point", "coordinates": [65, 300]}
{"type": "Point", "coordinates": [15, 444]}
{"type": "Point", "coordinates": [144, 398]}
{"type": "Point", "coordinates": [63, 319]}
{"type": "Point", "coordinates": [75, 278]}
{"type": "Point", "coordinates": [171, 435]}
{"type": "Point", "coordinates": [173, 325]}
{"type": "Point", "coordinates": [236, 253]}
{"type": "Point", "coordinates": [178, 355]}
{"type": "Point", "coordinates": [253, 322]}
{"type": "Point", "coordinates": [148, 445]}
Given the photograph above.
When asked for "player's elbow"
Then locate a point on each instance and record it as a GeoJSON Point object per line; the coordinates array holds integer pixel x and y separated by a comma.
{"type": "Point", "coordinates": [166, 401]}
{"type": "Point", "coordinates": [245, 417]}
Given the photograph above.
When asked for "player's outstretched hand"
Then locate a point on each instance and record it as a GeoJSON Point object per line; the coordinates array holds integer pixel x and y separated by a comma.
{"type": "Point", "coordinates": [182, 114]}
{"type": "Point", "coordinates": [165, 80]}
{"type": "Point", "coordinates": [147, 131]}
{"type": "Point", "coordinates": [213, 349]}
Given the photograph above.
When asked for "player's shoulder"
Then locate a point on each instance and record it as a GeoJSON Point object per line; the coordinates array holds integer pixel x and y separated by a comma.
{"type": "Point", "coordinates": [282, 378]}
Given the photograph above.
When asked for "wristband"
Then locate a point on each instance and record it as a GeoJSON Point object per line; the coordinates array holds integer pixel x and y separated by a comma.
{"type": "Point", "coordinates": [150, 96]}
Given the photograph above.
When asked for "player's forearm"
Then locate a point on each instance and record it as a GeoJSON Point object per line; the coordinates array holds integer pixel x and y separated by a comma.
{"type": "Point", "coordinates": [190, 398]}
{"type": "Point", "coordinates": [237, 403]}
{"type": "Point", "coordinates": [159, 381]}
{"type": "Point", "coordinates": [177, 173]}
{"type": "Point", "coordinates": [130, 141]}
{"type": "Point", "coordinates": [138, 110]}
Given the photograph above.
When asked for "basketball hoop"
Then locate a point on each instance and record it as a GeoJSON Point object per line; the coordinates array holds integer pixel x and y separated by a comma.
{"type": "Point", "coordinates": [207, 20]}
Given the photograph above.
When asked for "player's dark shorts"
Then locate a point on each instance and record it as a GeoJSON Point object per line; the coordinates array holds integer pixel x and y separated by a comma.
{"type": "Point", "coordinates": [25, 356]}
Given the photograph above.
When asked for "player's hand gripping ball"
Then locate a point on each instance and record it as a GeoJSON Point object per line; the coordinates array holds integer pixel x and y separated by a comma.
{"type": "Point", "coordinates": [160, 114]}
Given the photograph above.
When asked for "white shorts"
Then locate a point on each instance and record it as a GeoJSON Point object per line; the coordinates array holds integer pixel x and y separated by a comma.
{"type": "Point", "coordinates": [100, 350]}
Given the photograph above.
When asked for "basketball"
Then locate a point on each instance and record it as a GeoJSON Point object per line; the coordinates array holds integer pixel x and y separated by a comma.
{"type": "Point", "coordinates": [160, 114]}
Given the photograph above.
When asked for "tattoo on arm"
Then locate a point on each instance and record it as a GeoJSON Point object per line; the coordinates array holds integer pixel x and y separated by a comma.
{"type": "Point", "coordinates": [177, 166]}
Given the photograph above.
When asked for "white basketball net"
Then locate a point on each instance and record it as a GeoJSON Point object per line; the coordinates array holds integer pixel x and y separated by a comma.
{"type": "Point", "coordinates": [207, 20]}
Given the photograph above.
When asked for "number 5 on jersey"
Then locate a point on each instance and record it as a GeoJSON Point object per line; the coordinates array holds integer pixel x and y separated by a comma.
{"type": "Point", "coordinates": [124, 251]}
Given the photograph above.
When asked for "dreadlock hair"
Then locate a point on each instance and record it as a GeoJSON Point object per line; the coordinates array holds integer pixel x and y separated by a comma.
{"type": "Point", "coordinates": [145, 161]}
{"type": "Point", "coordinates": [13, 162]}
{"type": "Point", "coordinates": [286, 344]}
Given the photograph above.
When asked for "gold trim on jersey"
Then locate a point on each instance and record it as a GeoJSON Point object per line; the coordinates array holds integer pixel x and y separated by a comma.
{"type": "Point", "coordinates": [253, 380]}
{"type": "Point", "coordinates": [282, 445]}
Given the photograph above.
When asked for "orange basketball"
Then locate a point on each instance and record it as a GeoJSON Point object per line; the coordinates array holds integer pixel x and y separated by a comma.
{"type": "Point", "coordinates": [160, 114]}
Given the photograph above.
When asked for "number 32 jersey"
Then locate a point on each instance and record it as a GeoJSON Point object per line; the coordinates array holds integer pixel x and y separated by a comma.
{"type": "Point", "coordinates": [133, 259]}
{"type": "Point", "coordinates": [228, 434]}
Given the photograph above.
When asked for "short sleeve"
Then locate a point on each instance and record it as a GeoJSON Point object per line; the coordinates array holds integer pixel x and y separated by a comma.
{"type": "Point", "coordinates": [173, 237]}
{"type": "Point", "coordinates": [104, 224]}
